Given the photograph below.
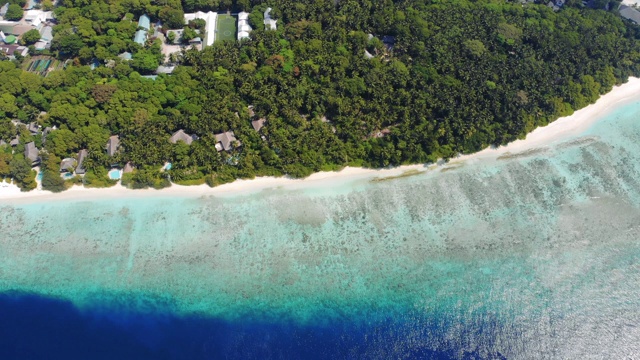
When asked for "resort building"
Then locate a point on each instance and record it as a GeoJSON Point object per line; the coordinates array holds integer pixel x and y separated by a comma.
{"type": "Point", "coordinates": [126, 56]}
{"type": "Point", "coordinates": [46, 33]}
{"type": "Point", "coordinates": [41, 45]}
{"type": "Point", "coordinates": [3, 10]}
{"type": "Point", "coordinates": [32, 153]}
{"type": "Point", "coordinates": [227, 141]}
{"type": "Point", "coordinates": [11, 50]}
{"type": "Point", "coordinates": [33, 128]}
{"type": "Point", "coordinates": [180, 135]}
{"type": "Point", "coordinates": [15, 141]}
{"type": "Point", "coordinates": [140, 37]}
{"type": "Point", "coordinates": [37, 17]}
{"type": "Point", "coordinates": [67, 165]}
{"type": "Point", "coordinates": [81, 156]}
{"type": "Point", "coordinates": [162, 69]}
{"type": "Point", "coordinates": [144, 22]}
{"type": "Point", "coordinates": [144, 25]}
{"type": "Point", "coordinates": [210, 28]}
{"type": "Point", "coordinates": [629, 13]}
{"type": "Point", "coordinates": [32, 20]}
{"type": "Point", "coordinates": [258, 124]}
{"type": "Point", "coordinates": [6, 27]}
{"type": "Point", "coordinates": [243, 26]}
{"type": "Point", "coordinates": [112, 145]}
{"type": "Point", "coordinates": [269, 23]}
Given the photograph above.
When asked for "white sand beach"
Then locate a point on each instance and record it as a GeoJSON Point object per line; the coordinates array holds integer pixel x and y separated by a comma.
{"type": "Point", "coordinates": [560, 129]}
{"type": "Point", "coordinates": [568, 126]}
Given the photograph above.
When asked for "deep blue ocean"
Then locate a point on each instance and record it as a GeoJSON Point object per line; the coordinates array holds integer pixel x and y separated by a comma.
{"type": "Point", "coordinates": [35, 327]}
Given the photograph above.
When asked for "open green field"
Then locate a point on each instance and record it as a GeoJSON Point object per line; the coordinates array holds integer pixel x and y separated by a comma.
{"type": "Point", "coordinates": [225, 28]}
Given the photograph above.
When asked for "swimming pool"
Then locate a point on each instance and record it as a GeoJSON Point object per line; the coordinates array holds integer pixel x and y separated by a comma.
{"type": "Point", "coordinates": [67, 176]}
{"type": "Point", "coordinates": [115, 174]}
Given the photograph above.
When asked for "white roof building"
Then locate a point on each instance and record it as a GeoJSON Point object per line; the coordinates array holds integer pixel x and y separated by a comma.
{"type": "Point", "coordinates": [40, 45]}
{"type": "Point", "coordinates": [269, 23]}
{"type": "Point", "coordinates": [210, 29]}
{"type": "Point", "coordinates": [243, 25]}
{"type": "Point", "coordinates": [37, 17]}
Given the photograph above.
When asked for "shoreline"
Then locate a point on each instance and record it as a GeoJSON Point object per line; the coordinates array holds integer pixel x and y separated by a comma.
{"type": "Point", "coordinates": [563, 128]}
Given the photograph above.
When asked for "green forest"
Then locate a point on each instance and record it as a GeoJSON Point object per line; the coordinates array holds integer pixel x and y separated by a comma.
{"type": "Point", "coordinates": [459, 76]}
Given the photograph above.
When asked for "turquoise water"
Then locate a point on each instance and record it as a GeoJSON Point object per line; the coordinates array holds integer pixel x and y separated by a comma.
{"type": "Point", "coordinates": [115, 174]}
{"type": "Point", "coordinates": [532, 256]}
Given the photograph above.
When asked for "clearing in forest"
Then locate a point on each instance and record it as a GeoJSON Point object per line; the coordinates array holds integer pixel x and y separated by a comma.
{"type": "Point", "coordinates": [225, 28]}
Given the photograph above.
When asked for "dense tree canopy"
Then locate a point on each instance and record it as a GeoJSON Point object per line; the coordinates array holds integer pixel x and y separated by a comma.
{"type": "Point", "coordinates": [31, 37]}
{"type": "Point", "coordinates": [14, 12]}
{"type": "Point", "coordinates": [369, 83]}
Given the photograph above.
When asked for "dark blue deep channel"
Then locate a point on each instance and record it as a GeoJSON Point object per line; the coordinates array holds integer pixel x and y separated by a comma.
{"type": "Point", "coordinates": [34, 327]}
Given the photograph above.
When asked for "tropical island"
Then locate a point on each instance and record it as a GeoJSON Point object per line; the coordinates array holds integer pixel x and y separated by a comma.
{"type": "Point", "coordinates": [194, 92]}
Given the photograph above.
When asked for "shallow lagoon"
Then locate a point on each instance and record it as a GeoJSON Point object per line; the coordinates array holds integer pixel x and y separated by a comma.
{"type": "Point", "coordinates": [530, 255]}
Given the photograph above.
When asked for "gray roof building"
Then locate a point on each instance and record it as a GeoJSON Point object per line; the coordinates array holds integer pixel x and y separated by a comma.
{"type": "Point", "coordinates": [15, 141]}
{"type": "Point", "coordinates": [180, 135]}
{"type": "Point", "coordinates": [31, 152]}
{"type": "Point", "coordinates": [45, 132]}
{"type": "Point", "coordinates": [165, 69]}
{"type": "Point", "coordinates": [11, 50]}
{"type": "Point", "coordinates": [112, 145]}
{"type": "Point", "coordinates": [46, 33]}
{"type": "Point", "coordinates": [144, 22]}
{"type": "Point", "coordinates": [7, 27]}
{"type": "Point", "coordinates": [41, 45]}
{"type": "Point", "coordinates": [140, 37]}
{"type": "Point", "coordinates": [3, 143]}
{"type": "Point", "coordinates": [81, 156]}
{"type": "Point", "coordinates": [258, 124]}
{"type": "Point", "coordinates": [629, 13]}
{"type": "Point", "coordinates": [227, 141]}
{"type": "Point", "coordinates": [67, 164]}
{"type": "Point", "coordinates": [33, 128]}
{"type": "Point", "coordinates": [125, 56]}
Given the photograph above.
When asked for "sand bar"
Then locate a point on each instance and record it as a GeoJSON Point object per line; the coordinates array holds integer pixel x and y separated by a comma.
{"type": "Point", "coordinates": [560, 129]}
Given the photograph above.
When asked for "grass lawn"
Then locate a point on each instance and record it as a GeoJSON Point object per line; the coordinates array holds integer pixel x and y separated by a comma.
{"type": "Point", "coordinates": [225, 28]}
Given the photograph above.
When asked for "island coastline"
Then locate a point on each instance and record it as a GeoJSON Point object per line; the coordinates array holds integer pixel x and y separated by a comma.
{"type": "Point", "coordinates": [561, 129]}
